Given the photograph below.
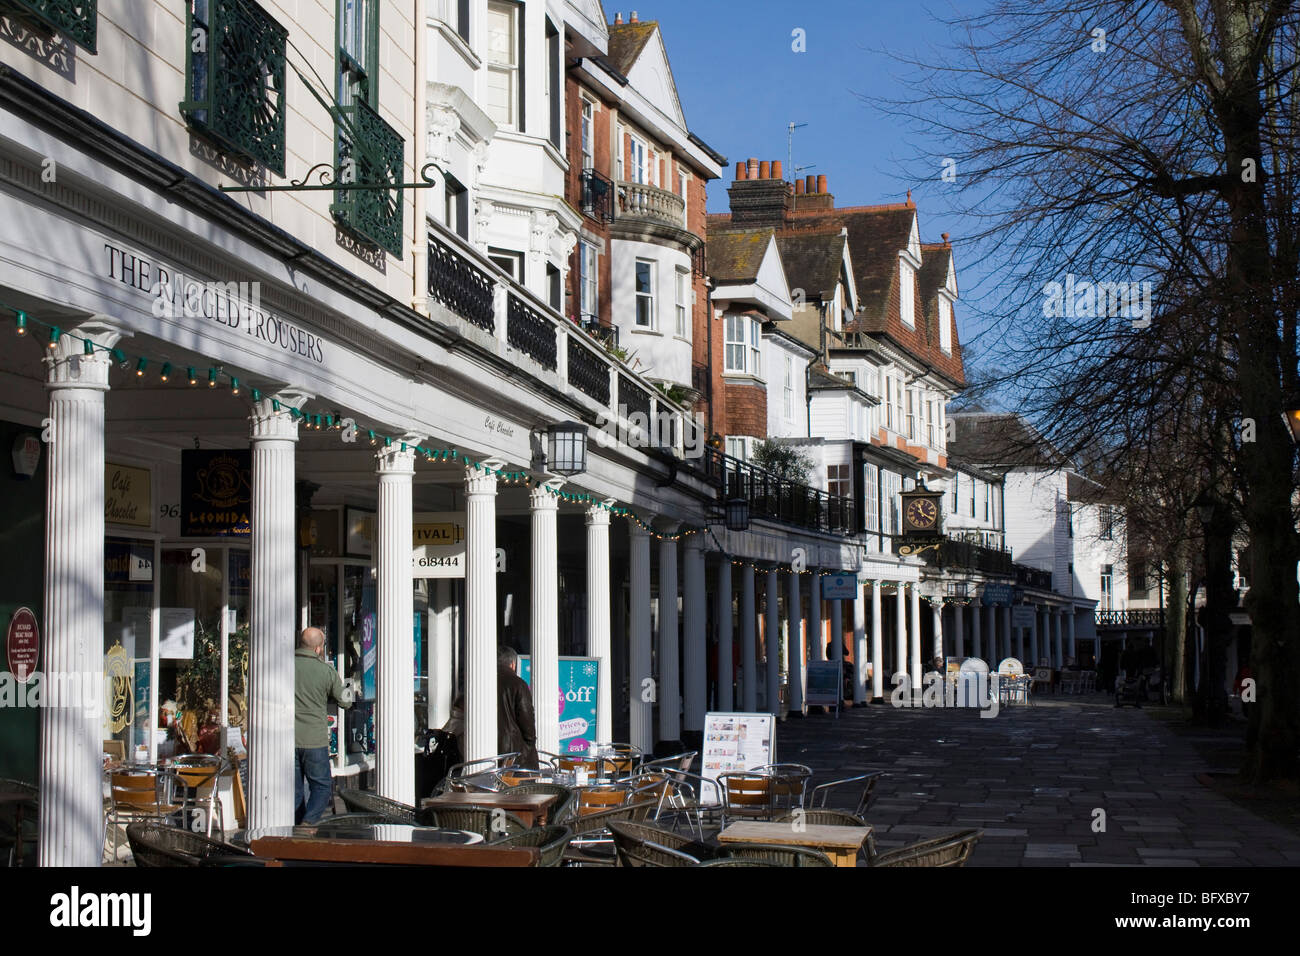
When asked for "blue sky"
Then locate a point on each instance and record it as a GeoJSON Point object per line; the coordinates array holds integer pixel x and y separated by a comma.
{"type": "Point", "coordinates": [741, 85]}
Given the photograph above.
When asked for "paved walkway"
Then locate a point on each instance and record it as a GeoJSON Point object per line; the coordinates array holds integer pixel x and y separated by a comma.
{"type": "Point", "coordinates": [1034, 779]}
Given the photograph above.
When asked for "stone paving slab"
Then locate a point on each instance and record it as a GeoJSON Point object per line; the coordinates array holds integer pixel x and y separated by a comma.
{"type": "Point", "coordinates": [1033, 778]}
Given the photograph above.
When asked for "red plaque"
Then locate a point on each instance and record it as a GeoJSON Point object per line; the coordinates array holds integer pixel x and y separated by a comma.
{"type": "Point", "coordinates": [23, 645]}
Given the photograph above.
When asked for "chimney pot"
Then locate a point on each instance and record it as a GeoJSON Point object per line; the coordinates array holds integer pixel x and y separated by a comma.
{"type": "Point", "coordinates": [741, 169]}
{"type": "Point", "coordinates": [811, 184]}
{"type": "Point", "coordinates": [821, 184]}
{"type": "Point", "coordinates": [945, 239]}
{"type": "Point", "coordinates": [798, 187]}
{"type": "Point", "coordinates": [618, 19]}
{"type": "Point", "coordinates": [753, 169]}
{"type": "Point", "coordinates": [777, 170]}
{"type": "Point", "coordinates": [765, 170]}
{"type": "Point", "coordinates": [634, 19]}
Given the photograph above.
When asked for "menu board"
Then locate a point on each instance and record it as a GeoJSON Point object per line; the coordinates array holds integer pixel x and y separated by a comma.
{"type": "Point", "coordinates": [825, 684]}
{"type": "Point", "coordinates": [735, 742]}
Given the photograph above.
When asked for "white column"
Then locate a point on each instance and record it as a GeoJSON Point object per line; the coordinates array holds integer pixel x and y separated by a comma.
{"type": "Point", "coordinates": [958, 631]}
{"type": "Point", "coordinates": [837, 630]}
{"type": "Point", "coordinates": [917, 667]}
{"type": "Point", "coordinates": [976, 629]}
{"type": "Point", "coordinates": [442, 643]}
{"type": "Point", "coordinates": [900, 630]}
{"type": "Point", "coordinates": [726, 675]}
{"type": "Point", "coordinates": [772, 643]}
{"type": "Point", "coordinates": [748, 640]}
{"type": "Point", "coordinates": [640, 689]}
{"type": "Point", "coordinates": [877, 645]}
{"type": "Point", "coordinates": [936, 611]}
{"type": "Point", "coordinates": [1069, 627]}
{"type": "Point", "coordinates": [695, 668]}
{"type": "Point", "coordinates": [794, 647]}
{"type": "Point", "coordinates": [669, 690]}
{"type": "Point", "coordinates": [272, 635]}
{"type": "Point", "coordinates": [859, 647]}
{"type": "Point", "coordinates": [1020, 645]}
{"type": "Point", "coordinates": [1004, 639]}
{"type": "Point", "coordinates": [72, 809]}
{"type": "Point", "coordinates": [816, 638]}
{"type": "Point", "coordinates": [544, 617]}
{"type": "Point", "coordinates": [598, 618]}
{"type": "Point", "coordinates": [395, 676]}
{"type": "Point", "coordinates": [480, 614]}
{"type": "Point", "coordinates": [1058, 638]}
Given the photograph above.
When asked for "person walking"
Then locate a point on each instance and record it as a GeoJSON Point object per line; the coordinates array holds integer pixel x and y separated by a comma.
{"type": "Point", "coordinates": [315, 684]}
{"type": "Point", "coordinates": [516, 726]}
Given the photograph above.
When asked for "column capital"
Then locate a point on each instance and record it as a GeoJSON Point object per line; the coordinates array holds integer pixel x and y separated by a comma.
{"type": "Point", "coordinates": [596, 515]}
{"type": "Point", "coordinates": [398, 458]}
{"type": "Point", "coordinates": [635, 531]}
{"type": "Point", "coordinates": [667, 527]}
{"type": "Point", "coordinates": [272, 419]}
{"type": "Point", "coordinates": [481, 482]}
{"type": "Point", "coordinates": [68, 366]}
{"type": "Point", "coordinates": [542, 496]}
{"type": "Point", "coordinates": [693, 543]}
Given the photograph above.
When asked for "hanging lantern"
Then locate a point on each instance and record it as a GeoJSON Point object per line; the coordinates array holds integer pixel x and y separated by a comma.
{"type": "Point", "coordinates": [737, 515]}
{"type": "Point", "coordinates": [567, 448]}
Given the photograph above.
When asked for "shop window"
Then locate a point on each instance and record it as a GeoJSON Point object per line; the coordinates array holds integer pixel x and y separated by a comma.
{"type": "Point", "coordinates": [235, 79]}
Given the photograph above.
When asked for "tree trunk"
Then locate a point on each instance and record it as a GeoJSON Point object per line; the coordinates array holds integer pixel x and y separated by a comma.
{"type": "Point", "coordinates": [1175, 662]}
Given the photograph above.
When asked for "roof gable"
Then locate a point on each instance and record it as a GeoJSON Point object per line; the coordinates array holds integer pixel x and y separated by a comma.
{"type": "Point", "coordinates": [637, 51]}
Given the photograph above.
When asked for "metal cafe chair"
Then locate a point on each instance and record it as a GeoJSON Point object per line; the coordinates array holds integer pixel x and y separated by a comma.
{"type": "Point", "coordinates": [790, 782]}
{"type": "Point", "coordinates": [748, 795]}
{"type": "Point", "coordinates": [139, 796]}
{"type": "Point", "coordinates": [459, 776]}
{"type": "Point", "coordinates": [822, 792]}
{"type": "Point", "coordinates": [194, 773]}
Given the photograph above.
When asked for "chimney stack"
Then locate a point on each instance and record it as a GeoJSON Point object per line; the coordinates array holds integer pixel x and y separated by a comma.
{"type": "Point", "coordinates": [634, 19]}
{"type": "Point", "coordinates": [618, 19]}
{"type": "Point", "coordinates": [777, 170]}
{"type": "Point", "coordinates": [760, 196]}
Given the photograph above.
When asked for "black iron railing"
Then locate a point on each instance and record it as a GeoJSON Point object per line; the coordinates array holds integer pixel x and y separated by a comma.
{"type": "Point", "coordinates": [1033, 577]}
{"type": "Point", "coordinates": [700, 378]}
{"type": "Point", "coordinates": [1140, 617]}
{"type": "Point", "coordinates": [78, 20]}
{"type": "Point", "coordinates": [632, 397]}
{"type": "Point", "coordinates": [777, 499]}
{"type": "Point", "coordinates": [957, 553]}
{"type": "Point", "coordinates": [587, 372]}
{"type": "Point", "coordinates": [597, 196]}
{"type": "Point", "coordinates": [530, 332]}
{"type": "Point", "coordinates": [459, 285]}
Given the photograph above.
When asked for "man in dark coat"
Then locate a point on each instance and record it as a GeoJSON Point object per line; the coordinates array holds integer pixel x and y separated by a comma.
{"type": "Point", "coordinates": [516, 727]}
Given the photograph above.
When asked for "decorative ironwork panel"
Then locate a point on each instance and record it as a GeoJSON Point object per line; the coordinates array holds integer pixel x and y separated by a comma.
{"type": "Point", "coordinates": [236, 75]}
{"type": "Point", "coordinates": [78, 20]}
{"type": "Point", "coordinates": [587, 373]}
{"type": "Point", "coordinates": [374, 160]}
{"type": "Point", "coordinates": [528, 331]}
{"type": "Point", "coordinates": [456, 283]}
{"type": "Point", "coordinates": [597, 196]}
{"type": "Point", "coordinates": [632, 397]}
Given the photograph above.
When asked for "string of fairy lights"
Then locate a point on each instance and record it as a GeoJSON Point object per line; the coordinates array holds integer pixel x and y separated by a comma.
{"type": "Point", "coordinates": [216, 376]}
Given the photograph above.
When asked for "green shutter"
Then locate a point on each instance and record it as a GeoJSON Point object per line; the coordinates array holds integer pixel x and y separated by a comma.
{"type": "Point", "coordinates": [377, 160]}
{"type": "Point", "coordinates": [78, 20]}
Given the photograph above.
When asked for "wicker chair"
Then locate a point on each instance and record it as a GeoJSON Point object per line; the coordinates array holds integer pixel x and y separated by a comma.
{"type": "Point", "coordinates": [780, 855]}
{"type": "Point", "coordinates": [592, 845]}
{"type": "Point", "coordinates": [822, 792]}
{"type": "Point", "coordinates": [564, 798]}
{"type": "Point", "coordinates": [953, 849]}
{"type": "Point", "coordinates": [552, 840]}
{"type": "Point", "coordinates": [362, 801]}
{"type": "Point", "coordinates": [487, 822]}
{"type": "Point", "coordinates": [823, 817]}
{"type": "Point", "coordinates": [738, 861]}
{"type": "Point", "coordinates": [641, 844]}
{"type": "Point", "coordinates": [155, 845]}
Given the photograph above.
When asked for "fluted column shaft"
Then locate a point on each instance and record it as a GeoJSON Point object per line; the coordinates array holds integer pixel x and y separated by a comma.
{"type": "Point", "coordinates": [442, 642]}
{"type": "Point", "coordinates": [394, 716]}
{"type": "Point", "coordinates": [641, 688]}
{"type": "Point", "coordinates": [1059, 660]}
{"type": "Point", "coordinates": [598, 618]}
{"type": "Point", "coordinates": [901, 664]}
{"type": "Point", "coordinates": [1069, 630]}
{"type": "Point", "coordinates": [771, 642]}
{"type": "Point", "coordinates": [726, 673]}
{"type": "Point", "coordinates": [544, 598]}
{"type": "Point", "coordinates": [976, 630]}
{"type": "Point", "coordinates": [816, 638]}
{"type": "Point", "coordinates": [481, 614]}
{"type": "Point", "coordinates": [958, 631]}
{"type": "Point", "coordinates": [670, 722]}
{"type": "Point", "coordinates": [877, 644]}
{"type": "Point", "coordinates": [916, 637]}
{"type": "Point", "coordinates": [794, 644]}
{"type": "Point", "coordinates": [1004, 638]}
{"type": "Point", "coordinates": [748, 640]}
{"type": "Point", "coordinates": [72, 658]}
{"type": "Point", "coordinates": [696, 666]}
{"type": "Point", "coordinates": [936, 612]}
{"type": "Point", "coordinates": [272, 618]}
{"type": "Point", "coordinates": [859, 647]}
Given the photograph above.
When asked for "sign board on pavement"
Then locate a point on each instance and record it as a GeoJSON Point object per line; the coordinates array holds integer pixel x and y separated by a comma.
{"type": "Point", "coordinates": [735, 742]}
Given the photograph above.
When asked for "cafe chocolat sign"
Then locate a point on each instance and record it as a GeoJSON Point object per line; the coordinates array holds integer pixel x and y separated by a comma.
{"type": "Point", "coordinates": [235, 305]}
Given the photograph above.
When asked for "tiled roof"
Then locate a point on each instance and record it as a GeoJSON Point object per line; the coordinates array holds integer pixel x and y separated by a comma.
{"type": "Point", "coordinates": [1002, 441]}
{"type": "Point", "coordinates": [626, 41]}
{"type": "Point", "coordinates": [736, 255]}
{"type": "Point", "coordinates": [812, 260]}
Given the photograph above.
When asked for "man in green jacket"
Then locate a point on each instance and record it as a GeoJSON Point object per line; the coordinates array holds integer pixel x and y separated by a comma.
{"type": "Point", "coordinates": [315, 684]}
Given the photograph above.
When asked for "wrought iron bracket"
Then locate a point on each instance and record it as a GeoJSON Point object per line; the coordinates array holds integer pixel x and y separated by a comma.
{"type": "Point", "coordinates": [913, 549]}
{"type": "Point", "coordinates": [328, 177]}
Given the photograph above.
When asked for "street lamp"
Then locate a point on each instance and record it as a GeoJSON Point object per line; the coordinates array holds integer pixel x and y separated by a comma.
{"type": "Point", "coordinates": [567, 448]}
{"type": "Point", "coordinates": [1292, 416]}
{"type": "Point", "coordinates": [737, 515]}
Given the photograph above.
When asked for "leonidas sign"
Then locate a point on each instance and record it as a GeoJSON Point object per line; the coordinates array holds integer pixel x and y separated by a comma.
{"type": "Point", "coordinates": [438, 539]}
{"type": "Point", "coordinates": [23, 645]}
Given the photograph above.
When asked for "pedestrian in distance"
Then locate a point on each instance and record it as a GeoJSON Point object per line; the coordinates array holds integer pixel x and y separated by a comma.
{"type": "Point", "coordinates": [316, 683]}
{"type": "Point", "coordinates": [516, 725]}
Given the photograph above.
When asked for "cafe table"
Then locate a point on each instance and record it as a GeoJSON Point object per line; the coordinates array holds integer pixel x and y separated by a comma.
{"type": "Point", "coordinates": [841, 844]}
{"type": "Point", "coordinates": [533, 808]}
{"type": "Point", "coordinates": [391, 844]}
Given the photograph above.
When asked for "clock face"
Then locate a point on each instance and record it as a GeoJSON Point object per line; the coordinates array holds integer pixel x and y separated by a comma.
{"type": "Point", "coordinates": [922, 513]}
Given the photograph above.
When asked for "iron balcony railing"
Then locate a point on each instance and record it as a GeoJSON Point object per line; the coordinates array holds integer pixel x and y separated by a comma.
{"type": "Point", "coordinates": [777, 499]}
{"type": "Point", "coordinates": [597, 195]}
{"type": "Point", "coordinates": [78, 20]}
{"type": "Point", "coordinates": [587, 373]}
{"type": "Point", "coordinates": [376, 158]}
{"type": "Point", "coordinates": [459, 285]}
{"type": "Point", "coordinates": [1139, 617]}
{"type": "Point", "coordinates": [1033, 577]}
{"type": "Point", "coordinates": [528, 331]}
{"type": "Point", "coordinates": [968, 555]}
